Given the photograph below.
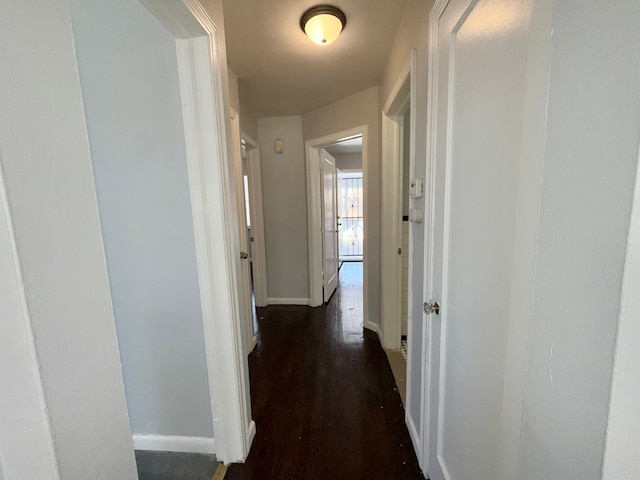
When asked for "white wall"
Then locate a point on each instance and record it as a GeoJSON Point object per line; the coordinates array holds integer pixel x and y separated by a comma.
{"type": "Point", "coordinates": [234, 99]}
{"type": "Point", "coordinates": [248, 120]}
{"type": "Point", "coordinates": [60, 336]}
{"type": "Point", "coordinates": [413, 33]}
{"type": "Point", "coordinates": [128, 69]}
{"type": "Point", "coordinates": [348, 161]}
{"type": "Point", "coordinates": [354, 111]}
{"type": "Point", "coordinates": [590, 159]}
{"type": "Point", "coordinates": [285, 209]}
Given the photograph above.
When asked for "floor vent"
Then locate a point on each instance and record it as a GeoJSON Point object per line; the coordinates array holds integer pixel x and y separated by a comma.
{"type": "Point", "coordinates": [403, 349]}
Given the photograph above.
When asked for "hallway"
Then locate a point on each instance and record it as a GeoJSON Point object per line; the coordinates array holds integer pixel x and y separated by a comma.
{"type": "Point", "coordinates": [323, 396]}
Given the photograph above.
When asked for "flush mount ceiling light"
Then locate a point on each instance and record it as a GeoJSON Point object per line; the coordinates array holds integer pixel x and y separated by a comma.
{"type": "Point", "coordinates": [323, 23]}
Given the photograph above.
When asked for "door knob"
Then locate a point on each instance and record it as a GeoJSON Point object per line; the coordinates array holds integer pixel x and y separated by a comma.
{"type": "Point", "coordinates": [244, 255]}
{"type": "Point", "coordinates": [431, 307]}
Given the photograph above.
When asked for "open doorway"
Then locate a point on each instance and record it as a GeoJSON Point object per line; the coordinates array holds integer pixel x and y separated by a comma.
{"type": "Point", "coordinates": [350, 191]}
{"type": "Point", "coordinates": [401, 217]}
{"type": "Point", "coordinates": [335, 177]}
{"type": "Point", "coordinates": [163, 192]}
{"type": "Point", "coordinates": [400, 307]}
{"type": "Point", "coordinates": [314, 214]}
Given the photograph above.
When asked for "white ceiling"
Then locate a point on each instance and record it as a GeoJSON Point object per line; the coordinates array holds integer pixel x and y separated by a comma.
{"type": "Point", "coordinates": [282, 72]}
{"type": "Point", "coordinates": [345, 147]}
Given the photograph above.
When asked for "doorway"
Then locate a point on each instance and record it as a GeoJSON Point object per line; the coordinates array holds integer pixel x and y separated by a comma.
{"type": "Point", "coordinates": [348, 155]}
{"type": "Point", "coordinates": [343, 153]}
{"type": "Point", "coordinates": [402, 212]}
{"type": "Point", "coordinates": [314, 215]}
{"type": "Point", "coordinates": [166, 222]}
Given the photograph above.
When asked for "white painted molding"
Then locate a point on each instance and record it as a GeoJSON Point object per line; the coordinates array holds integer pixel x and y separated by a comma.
{"type": "Point", "coordinates": [623, 425]}
{"type": "Point", "coordinates": [289, 301]}
{"type": "Point", "coordinates": [413, 431]}
{"type": "Point", "coordinates": [251, 432]}
{"type": "Point", "coordinates": [207, 139]}
{"type": "Point", "coordinates": [427, 410]}
{"type": "Point", "coordinates": [411, 293]}
{"type": "Point", "coordinates": [171, 443]}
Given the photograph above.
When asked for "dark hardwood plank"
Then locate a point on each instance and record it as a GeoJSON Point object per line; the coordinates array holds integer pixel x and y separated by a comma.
{"type": "Point", "coordinates": [323, 396]}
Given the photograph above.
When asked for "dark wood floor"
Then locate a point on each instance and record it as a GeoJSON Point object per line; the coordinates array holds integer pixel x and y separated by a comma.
{"type": "Point", "coordinates": [323, 396]}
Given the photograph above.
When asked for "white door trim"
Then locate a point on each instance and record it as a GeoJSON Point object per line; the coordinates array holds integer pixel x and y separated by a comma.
{"type": "Point", "coordinates": [432, 91]}
{"type": "Point", "coordinates": [254, 165]}
{"type": "Point", "coordinates": [526, 228]}
{"type": "Point", "coordinates": [401, 98]}
{"type": "Point", "coordinates": [207, 137]}
{"type": "Point", "coordinates": [623, 434]}
{"type": "Point", "coordinates": [314, 206]}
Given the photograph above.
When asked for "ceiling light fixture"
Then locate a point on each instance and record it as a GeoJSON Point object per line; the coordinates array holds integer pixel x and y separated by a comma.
{"type": "Point", "coordinates": [323, 23]}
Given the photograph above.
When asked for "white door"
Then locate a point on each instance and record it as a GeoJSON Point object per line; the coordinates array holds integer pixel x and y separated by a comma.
{"type": "Point", "coordinates": [480, 77]}
{"type": "Point", "coordinates": [329, 223]}
{"type": "Point", "coordinates": [245, 296]}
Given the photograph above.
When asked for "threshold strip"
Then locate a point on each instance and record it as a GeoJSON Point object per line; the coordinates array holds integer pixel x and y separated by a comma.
{"type": "Point", "coordinates": [221, 471]}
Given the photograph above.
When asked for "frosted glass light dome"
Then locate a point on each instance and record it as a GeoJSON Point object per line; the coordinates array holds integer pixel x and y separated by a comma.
{"type": "Point", "coordinates": [323, 24]}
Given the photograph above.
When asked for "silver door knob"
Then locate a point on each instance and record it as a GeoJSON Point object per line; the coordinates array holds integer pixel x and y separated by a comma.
{"type": "Point", "coordinates": [244, 255]}
{"type": "Point", "coordinates": [431, 307]}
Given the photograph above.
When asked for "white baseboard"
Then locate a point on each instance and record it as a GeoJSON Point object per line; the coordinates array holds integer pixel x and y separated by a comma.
{"type": "Point", "coordinates": [251, 433]}
{"type": "Point", "coordinates": [376, 328]}
{"type": "Point", "coordinates": [171, 443]}
{"type": "Point", "coordinates": [413, 433]}
{"type": "Point", "coordinates": [254, 342]}
{"type": "Point", "coordinates": [288, 301]}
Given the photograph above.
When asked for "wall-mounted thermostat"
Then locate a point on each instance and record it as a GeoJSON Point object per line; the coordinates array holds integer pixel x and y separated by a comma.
{"type": "Point", "coordinates": [415, 188]}
{"type": "Point", "coordinates": [279, 145]}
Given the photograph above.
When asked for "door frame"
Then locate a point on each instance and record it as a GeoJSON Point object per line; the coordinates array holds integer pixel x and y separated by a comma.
{"type": "Point", "coordinates": [314, 218]}
{"type": "Point", "coordinates": [258, 254]}
{"type": "Point", "coordinates": [401, 99]}
{"type": "Point", "coordinates": [432, 92]}
{"type": "Point", "coordinates": [204, 93]}
{"type": "Point", "coordinates": [526, 230]}
{"type": "Point", "coordinates": [620, 454]}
